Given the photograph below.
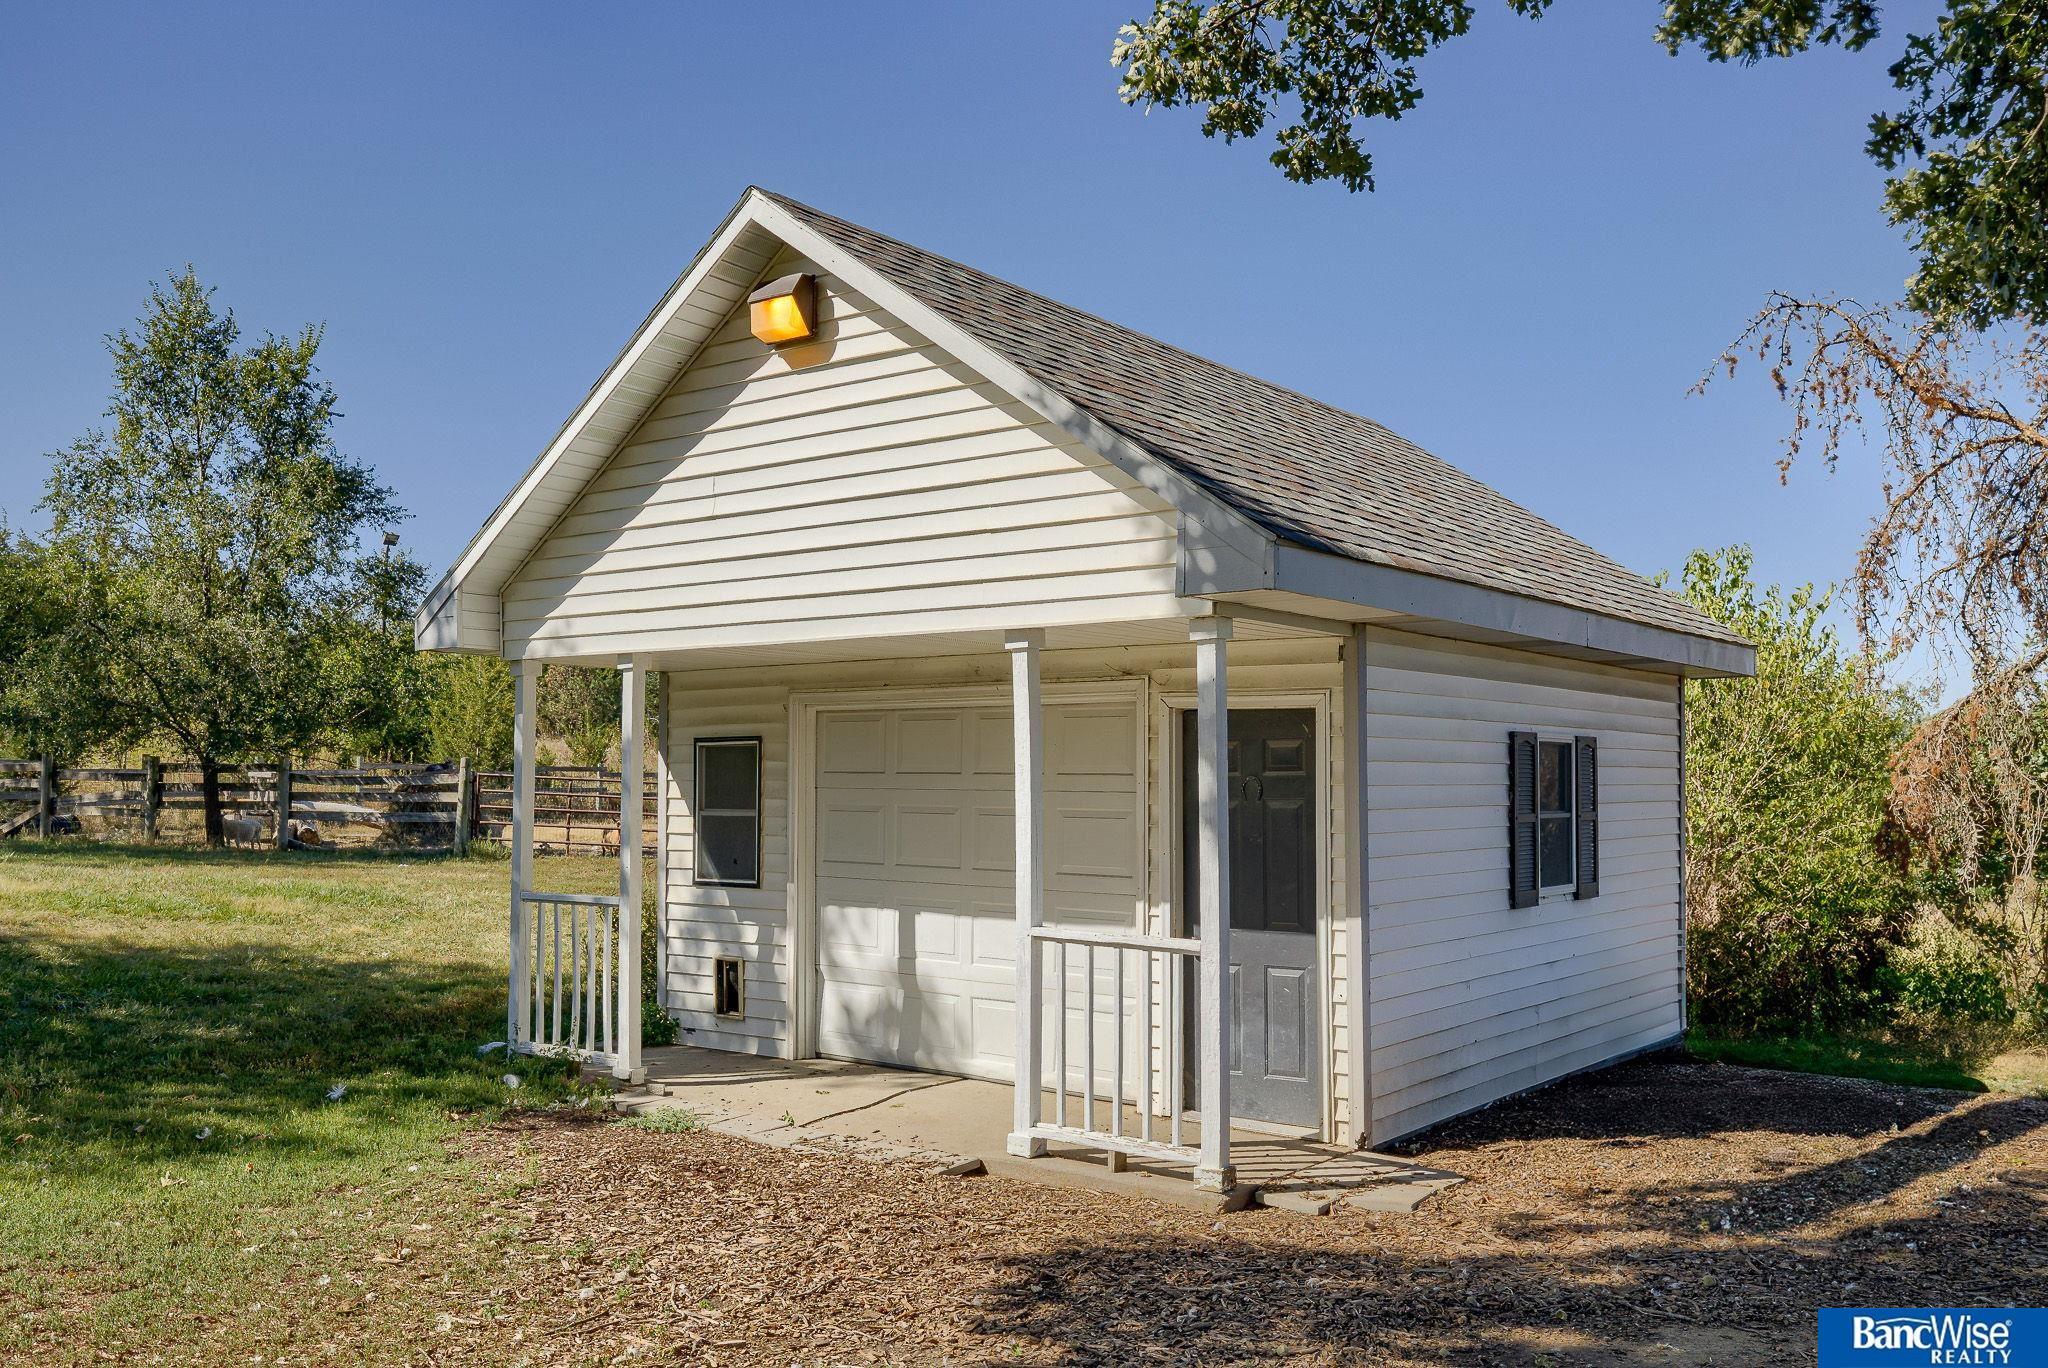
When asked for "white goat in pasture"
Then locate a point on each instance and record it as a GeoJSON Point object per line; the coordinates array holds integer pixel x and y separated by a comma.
{"type": "Point", "coordinates": [242, 830]}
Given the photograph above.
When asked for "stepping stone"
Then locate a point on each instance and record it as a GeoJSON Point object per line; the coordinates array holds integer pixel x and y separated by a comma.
{"type": "Point", "coordinates": [1300, 1203]}
{"type": "Point", "coordinates": [1399, 1197]}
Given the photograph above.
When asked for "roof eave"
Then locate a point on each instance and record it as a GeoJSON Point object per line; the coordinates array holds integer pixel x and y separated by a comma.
{"type": "Point", "coordinates": [1492, 614]}
{"type": "Point", "coordinates": [463, 575]}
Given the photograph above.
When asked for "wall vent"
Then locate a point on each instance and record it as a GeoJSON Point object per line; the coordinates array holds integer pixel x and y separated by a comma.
{"type": "Point", "coordinates": [728, 987]}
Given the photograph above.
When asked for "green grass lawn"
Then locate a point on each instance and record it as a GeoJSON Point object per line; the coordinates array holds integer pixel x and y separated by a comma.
{"type": "Point", "coordinates": [174, 1177]}
{"type": "Point", "coordinates": [1912, 1063]}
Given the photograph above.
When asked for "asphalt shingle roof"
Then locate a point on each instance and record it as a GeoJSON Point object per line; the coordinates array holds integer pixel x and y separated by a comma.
{"type": "Point", "coordinates": [1311, 474]}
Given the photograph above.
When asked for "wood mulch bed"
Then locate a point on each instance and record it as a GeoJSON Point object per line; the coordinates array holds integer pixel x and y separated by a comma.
{"type": "Point", "coordinates": [1660, 1212]}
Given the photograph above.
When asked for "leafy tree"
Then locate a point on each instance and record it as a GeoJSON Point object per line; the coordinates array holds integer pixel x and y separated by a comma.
{"type": "Point", "coordinates": [581, 706]}
{"type": "Point", "coordinates": [382, 703]}
{"type": "Point", "coordinates": [471, 712]}
{"type": "Point", "coordinates": [1793, 910]}
{"type": "Point", "coordinates": [1966, 153]}
{"type": "Point", "coordinates": [208, 543]}
{"type": "Point", "coordinates": [35, 621]}
{"type": "Point", "coordinates": [1970, 800]}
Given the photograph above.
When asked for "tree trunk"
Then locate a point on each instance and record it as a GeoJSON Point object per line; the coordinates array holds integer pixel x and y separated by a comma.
{"type": "Point", "coordinates": [209, 797]}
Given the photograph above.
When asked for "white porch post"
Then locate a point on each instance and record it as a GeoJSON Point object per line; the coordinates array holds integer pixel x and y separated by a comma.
{"type": "Point", "coordinates": [518, 1014]}
{"type": "Point", "coordinates": [1212, 855]}
{"type": "Point", "coordinates": [661, 778]}
{"type": "Point", "coordinates": [1355, 714]}
{"type": "Point", "coordinates": [1027, 731]}
{"type": "Point", "coordinates": [632, 741]}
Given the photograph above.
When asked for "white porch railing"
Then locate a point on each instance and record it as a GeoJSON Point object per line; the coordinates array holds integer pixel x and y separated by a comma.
{"type": "Point", "coordinates": [571, 998]}
{"type": "Point", "coordinates": [1145, 1063]}
{"type": "Point", "coordinates": [1209, 953]}
{"type": "Point", "coordinates": [573, 981]}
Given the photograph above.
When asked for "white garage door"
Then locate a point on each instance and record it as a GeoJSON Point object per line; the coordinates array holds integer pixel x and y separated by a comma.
{"type": "Point", "coordinates": [916, 930]}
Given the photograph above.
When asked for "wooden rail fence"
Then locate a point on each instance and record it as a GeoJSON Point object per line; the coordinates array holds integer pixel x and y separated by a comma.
{"type": "Point", "coordinates": [444, 806]}
{"type": "Point", "coordinates": [575, 809]}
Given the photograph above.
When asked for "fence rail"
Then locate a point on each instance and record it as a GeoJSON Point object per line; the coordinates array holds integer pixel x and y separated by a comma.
{"type": "Point", "coordinates": [575, 809]}
{"type": "Point", "coordinates": [414, 806]}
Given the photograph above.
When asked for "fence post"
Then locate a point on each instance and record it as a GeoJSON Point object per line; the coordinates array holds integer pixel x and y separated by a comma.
{"type": "Point", "coordinates": [46, 796]}
{"type": "Point", "coordinates": [152, 794]}
{"type": "Point", "coordinates": [465, 805]}
{"type": "Point", "coordinates": [284, 802]}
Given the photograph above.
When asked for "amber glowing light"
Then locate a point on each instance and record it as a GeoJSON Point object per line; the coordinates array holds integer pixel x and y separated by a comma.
{"type": "Point", "coordinates": [782, 311]}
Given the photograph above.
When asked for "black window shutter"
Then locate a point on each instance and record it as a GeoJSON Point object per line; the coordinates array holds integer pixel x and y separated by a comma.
{"type": "Point", "coordinates": [1586, 792]}
{"type": "Point", "coordinates": [1522, 877]}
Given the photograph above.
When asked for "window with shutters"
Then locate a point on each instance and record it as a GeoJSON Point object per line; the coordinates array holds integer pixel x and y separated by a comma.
{"type": "Point", "coordinates": [726, 812]}
{"type": "Point", "coordinates": [1555, 841]}
{"type": "Point", "coordinates": [1553, 817]}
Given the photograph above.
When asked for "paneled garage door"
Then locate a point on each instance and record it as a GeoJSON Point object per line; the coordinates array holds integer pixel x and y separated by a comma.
{"type": "Point", "coordinates": [916, 932]}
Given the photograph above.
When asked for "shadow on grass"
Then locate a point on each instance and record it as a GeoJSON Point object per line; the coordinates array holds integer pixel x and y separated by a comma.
{"type": "Point", "coordinates": [1668, 1095]}
{"type": "Point", "coordinates": [116, 1053]}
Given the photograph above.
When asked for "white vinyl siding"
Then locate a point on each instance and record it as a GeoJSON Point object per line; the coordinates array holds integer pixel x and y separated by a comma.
{"type": "Point", "coordinates": [1473, 1000]}
{"type": "Point", "coordinates": [700, 923]}
{"type": "Point", "coordinates": [696, 305]}
{"type": "Point", "coordinates": [862, 485]}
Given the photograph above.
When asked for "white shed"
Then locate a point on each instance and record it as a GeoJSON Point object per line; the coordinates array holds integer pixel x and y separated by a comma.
{"type": "Point", "coordinates": [980, 622]}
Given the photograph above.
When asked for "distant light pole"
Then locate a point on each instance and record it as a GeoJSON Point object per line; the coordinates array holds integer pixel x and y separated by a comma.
{"type": "Point", "coordinates": [383, 625]}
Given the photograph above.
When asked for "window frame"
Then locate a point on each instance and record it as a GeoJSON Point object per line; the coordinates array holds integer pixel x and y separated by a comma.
{"type": "Point", "coordinates": [1569, 886]}
{"type": "Point", "coordinates": [698, 810]}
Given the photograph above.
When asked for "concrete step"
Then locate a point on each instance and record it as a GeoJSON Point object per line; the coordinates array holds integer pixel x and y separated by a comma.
{"type": "Point", "coordinates": [1358, 1179]}
{"type": "Point", "coordinates": [1313, 1183]}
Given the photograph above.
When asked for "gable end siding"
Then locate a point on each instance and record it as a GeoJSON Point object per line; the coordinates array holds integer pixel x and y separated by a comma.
{"type": "Point", "coordinates": [861, 485]}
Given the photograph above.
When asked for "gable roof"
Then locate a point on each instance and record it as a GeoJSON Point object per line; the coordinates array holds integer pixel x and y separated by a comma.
{"type": "Point", "coordinates": [1273, 489]}
{"type": "Point", "coordinates": [1310, 474]}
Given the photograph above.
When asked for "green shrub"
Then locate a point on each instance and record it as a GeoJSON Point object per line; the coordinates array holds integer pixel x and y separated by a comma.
{"type": "Point", "coordinates": [657, 1027]}
{"type": "Point", "coordinates": [1947, 978]}
{"type": "Point", "coordinates": [1810, 953]}
{"type": "Point", "coordinates": [1794, 914]}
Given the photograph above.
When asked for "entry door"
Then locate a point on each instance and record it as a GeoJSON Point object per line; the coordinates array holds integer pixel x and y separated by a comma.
{"type": "Point", "coordinates": [1275, 1016]}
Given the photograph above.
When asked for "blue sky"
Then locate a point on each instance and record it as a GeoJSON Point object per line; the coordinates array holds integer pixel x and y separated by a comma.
{"type": "Point", "coordinates": [480, 202]}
